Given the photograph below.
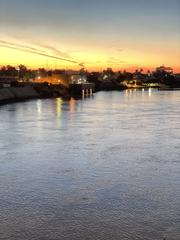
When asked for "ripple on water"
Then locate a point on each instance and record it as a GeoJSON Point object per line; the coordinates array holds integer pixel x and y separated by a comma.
{"type": "Point", "coordinates": [107, 170]}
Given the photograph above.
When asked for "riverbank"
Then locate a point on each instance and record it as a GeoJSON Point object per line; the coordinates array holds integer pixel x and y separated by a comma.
{"type": "Point", "coordinates": [32, 91]}
{"type": "Point", "coordinates": [28, 91]}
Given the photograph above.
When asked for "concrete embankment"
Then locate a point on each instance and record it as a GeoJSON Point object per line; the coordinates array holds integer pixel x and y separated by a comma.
{"type": "Point", "coordinates": [17, 94]}
{"type": "Point", "coordinates": [20, 93]}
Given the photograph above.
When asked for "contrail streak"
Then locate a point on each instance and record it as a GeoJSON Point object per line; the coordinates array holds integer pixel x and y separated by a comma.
{"type": "Point", "coordinates": [19, 45]}
{"type": "Point", "coordinates": [50, 48]}
{"type": "Point", "coordinates": [34, 51]}
{"type": "Point", "coordinates": [55, 51]}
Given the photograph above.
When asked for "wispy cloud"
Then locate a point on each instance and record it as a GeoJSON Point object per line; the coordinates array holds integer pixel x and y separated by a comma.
{"type": "Point", "coordinates": [46, 47]}
{"type": "Point", "coordinates": [23, 46]}
{"type": "Point", "coordinates": [37, 51]}
{"type": "Point", "coordinates": [54, 50]}
{"type": "Point", "coordinates": [120, 50]}
{"type": "Point", "coordinates": [113, 60]}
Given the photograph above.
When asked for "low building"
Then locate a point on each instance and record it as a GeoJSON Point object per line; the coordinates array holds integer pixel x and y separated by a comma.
{"type": "Point", "coordinates": [7, 81]}
{"type": "Point", "coordinates": [62, 78]}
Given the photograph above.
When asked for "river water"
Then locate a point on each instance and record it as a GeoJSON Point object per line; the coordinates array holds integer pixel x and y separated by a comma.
{"type": "Point", "coordinates": [102, 168]}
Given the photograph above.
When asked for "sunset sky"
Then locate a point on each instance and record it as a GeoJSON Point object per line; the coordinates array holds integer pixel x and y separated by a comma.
{"type": "Point", "coordinates": [122, 34]}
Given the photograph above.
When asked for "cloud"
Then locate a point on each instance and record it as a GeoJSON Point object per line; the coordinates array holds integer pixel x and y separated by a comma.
{"type": "Point", "coordinates": [43, 46]}
{"type": "Point", "coordinates": [113, 60]}
{"type": "Point", "coordinates": [47, 49]}
{"type": "Point", "coordinates": [19, 45]}
{"type": "Point", "coordinates": [55, 51]}
{"type": "Point", "coordinates": [81, 64]}
{"type": "Point", "coordinates": [29, 49]}
{"type": "Point", "coordinates": [119, 50]}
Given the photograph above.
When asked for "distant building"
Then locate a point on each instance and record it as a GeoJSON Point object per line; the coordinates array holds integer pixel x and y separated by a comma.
{"type": "Point", "coordinates": [177, 77]}
{"type": "Point", "coordinates": [7, 81]}
{"type": "Point", "coordinates": [78, 78]}
{"type": "Point", "coordinates": [64, 78]}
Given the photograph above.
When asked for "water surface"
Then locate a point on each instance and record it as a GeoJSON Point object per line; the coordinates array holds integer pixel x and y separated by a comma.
{"type": "Point", "coordinates": [107, 167]}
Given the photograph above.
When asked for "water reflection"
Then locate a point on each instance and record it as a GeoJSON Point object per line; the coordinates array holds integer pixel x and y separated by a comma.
{"type": "Point", "coordinates": [128, 92]}
{"type": "Point", "coordinates": [150, 92]}
{"type": "Point", "coordinates": [59, 106]}
{"type": "Point", "coordinates": [72, 103]}
{"type": "Point", "coordinates": [39, 106]}
{"type": "Point", "coordinates": [110, 170]}
{"type": "Point", "coordinates": [131, 92]}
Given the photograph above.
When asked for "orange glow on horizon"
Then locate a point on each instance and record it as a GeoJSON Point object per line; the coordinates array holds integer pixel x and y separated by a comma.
{"type": "Point", "coordinates": [94, 59]}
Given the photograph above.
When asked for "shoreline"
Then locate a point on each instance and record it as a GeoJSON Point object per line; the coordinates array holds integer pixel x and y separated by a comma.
{"type": "Point", "coordinates": [44, 91]}
{"type": "Point", "coordinates": [27, 92]}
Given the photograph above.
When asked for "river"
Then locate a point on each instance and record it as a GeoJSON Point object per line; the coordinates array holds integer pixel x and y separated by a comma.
{"type": "Point", "coordinates": [102, 168]}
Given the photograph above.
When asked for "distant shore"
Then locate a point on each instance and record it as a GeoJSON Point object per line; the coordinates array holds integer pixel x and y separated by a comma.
{"type": "Point", "coordinates": [29, 91]}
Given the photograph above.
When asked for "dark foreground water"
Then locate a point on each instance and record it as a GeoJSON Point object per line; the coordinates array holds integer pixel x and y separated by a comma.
{"type": "Point", "coordinates": [106, 168]}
